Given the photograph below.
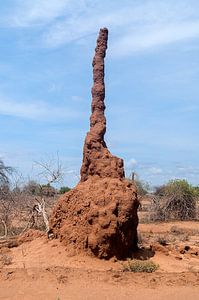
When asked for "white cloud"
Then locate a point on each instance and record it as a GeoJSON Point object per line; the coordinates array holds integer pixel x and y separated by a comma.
{"type": "Point", "coordinates": [134, 27]}
{"type": "Point", "coordinates": [149, 37]}
{"type": "Point", "coordinates": [37, 12]}
{"type": "Point", "coordinates": [155, 170]}
{"type": "Point", "coordinates": [188, 170]}
{"type": "Point", "coordinates": [70, 30]}
{"type": "Point", "coordinates": [131, 163]}
{"type": "Point", "coordinates": [36, 110]}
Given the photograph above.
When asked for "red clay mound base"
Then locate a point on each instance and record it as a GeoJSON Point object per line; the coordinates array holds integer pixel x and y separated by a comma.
{"type": "Point", "coordinates": [98, 216]}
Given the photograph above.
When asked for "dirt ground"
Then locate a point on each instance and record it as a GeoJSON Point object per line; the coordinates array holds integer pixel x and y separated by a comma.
{"type": "Point", "coordinates": [44, 269]}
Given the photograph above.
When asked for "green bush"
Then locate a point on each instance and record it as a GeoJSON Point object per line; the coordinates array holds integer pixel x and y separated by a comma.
{"type": "Point", "coordinates": [64, 189]}
{"type": "Point", "coordinates": [140, 266]}
{"type": "Point", "coordinates": [195, 190]}
{"type": "Point", "coordinates": [32, 188]}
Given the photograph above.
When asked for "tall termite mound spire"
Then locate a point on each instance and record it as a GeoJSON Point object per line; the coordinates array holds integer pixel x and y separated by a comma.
{"type": "Point", "coordinates": [97, 119]}
{"type": "Point", "coordinates": [98, 216]}
{"type": "Point", "coordinates": [97, 160]}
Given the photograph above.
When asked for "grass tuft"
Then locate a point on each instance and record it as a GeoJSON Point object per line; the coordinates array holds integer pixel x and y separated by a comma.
{"type": "Point", "coordinates": [140, 266]}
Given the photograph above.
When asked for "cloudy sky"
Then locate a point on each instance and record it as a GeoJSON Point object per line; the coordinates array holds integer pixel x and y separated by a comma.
{"type": "Point", "coordinates": [152, 89]}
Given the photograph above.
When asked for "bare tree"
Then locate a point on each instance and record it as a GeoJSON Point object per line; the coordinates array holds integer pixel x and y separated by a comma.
{"type": "Point", "coordinates": [24, 206]}
{"type": "Point", "coordinates": [52, 172]}
{"type": "Point", "coordinates": [175, 200]}
{"type": "Point", "coordinates": [5, 196]}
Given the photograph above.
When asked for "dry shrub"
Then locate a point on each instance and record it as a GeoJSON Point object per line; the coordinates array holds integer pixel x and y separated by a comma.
{"type": "Point", "coordinates": [180, 230]}
{"type": "Point", "coordinates": [183, 237]}
{"type": "Point", "coordinates": [5, 259]}
{"type": "Point", "coordinates": [163, 240]}
{"type": "Point", "coordinates": [140, 266]}
{"type": "Point", "coordinates": [174, 201]}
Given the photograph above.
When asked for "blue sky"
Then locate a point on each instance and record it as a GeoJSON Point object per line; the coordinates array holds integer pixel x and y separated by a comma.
{"type": "Point", "coordinates": [152, 90]}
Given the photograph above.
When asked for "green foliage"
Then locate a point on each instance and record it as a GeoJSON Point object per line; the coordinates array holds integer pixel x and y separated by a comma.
{"type": "Point", "coordinates": [140, 266]}
{"type": "Point", "coordinates": [32, 188]}
{"type": "Point", "coordinates": [195, 190]}
{"type": "Point", "coordinates": [142, 187]}
{"type": "Point", "coordinates": [179, 186]}
{"type": "Point", "coordinates": [64, 189]}
{"type": "Point", "coordinates": [48, 190]}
